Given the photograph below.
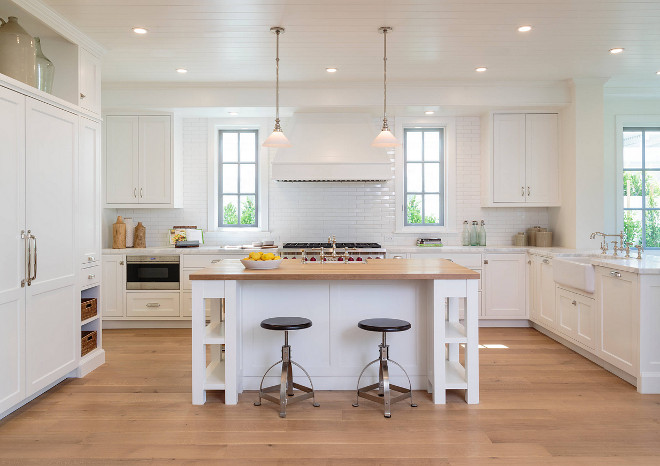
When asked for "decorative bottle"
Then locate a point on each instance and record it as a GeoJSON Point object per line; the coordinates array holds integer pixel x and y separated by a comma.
{"type": "Point", "coordinates": [465, 235]}
{"type": "Point", "coordinates": [45, 70]}
{"type": "Point", "coordinates": [474, 241]}
{"type": "Point", "coordinates": [17, 52]}
{"type": "Point", "coordinates": [482, 234]}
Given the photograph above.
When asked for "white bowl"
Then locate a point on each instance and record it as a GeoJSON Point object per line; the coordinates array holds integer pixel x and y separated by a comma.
{"type": "Point", "coordinates": [261, 265]}
{"type": "Point", "coordinates": [257, 244]}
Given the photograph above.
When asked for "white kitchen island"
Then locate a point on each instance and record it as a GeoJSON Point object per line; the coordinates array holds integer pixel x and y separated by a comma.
{"type": "Point", "coordinates": [440, 352]}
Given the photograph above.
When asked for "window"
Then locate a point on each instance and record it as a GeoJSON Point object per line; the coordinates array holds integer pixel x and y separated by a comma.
{"type": "Point", "coordinates": [641, 186]}
{"type": "Point", "coordinates": [237, 178]}
{"type": "Point", "coordinates": [424, 165]}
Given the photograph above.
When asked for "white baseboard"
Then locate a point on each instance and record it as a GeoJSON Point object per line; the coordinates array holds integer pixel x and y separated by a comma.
{"type": "Point", "coordinates": [90, 361]}
{"type": "Point", "coordinates": [113, 324]}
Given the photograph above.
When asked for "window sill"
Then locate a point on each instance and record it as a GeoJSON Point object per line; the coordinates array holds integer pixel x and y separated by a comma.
{"type": "Point", "coordinates": [425, 229]}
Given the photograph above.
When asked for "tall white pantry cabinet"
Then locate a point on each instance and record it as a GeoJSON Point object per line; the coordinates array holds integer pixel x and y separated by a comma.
{"type": "Point", "coordinates": [44, 233]}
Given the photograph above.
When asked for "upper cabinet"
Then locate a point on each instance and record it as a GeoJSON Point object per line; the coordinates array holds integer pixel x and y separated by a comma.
{"type": "Point", "coordinates": [89, 81]}
{"type": "Point", "coordinates": [139, 163]}
{"type": "Point", "coordinates": [521, 160]}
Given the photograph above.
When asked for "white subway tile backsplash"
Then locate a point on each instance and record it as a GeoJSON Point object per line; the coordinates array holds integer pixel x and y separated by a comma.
{"type": "Point", "coordinates": [350, 211]}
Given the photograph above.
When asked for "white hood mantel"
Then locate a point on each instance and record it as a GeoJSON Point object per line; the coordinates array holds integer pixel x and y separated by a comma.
{"type": "Point", "coordinates": [332, 147]}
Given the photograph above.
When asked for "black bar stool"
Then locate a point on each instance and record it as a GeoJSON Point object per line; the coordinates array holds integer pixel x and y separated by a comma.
{"type": "Point", "coordinates": [286, 384]}
{"type": "Point", "coordinates": [384, 386]}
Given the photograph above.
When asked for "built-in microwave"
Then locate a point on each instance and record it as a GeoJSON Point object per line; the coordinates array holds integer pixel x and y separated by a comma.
{"type": "Point", "coordinates": [152, 272]}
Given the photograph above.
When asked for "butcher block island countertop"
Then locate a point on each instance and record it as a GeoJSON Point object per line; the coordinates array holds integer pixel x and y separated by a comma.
{"type": "Point", "coordinates": [375, 269]}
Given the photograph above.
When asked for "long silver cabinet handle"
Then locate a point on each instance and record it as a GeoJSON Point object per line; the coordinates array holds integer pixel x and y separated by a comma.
{"type": "Point", "coordinates": [141, 193]}
{"type": "Point", "coordinates": [25, 236]}
{"type": "Point", "coordinates": [153, 304]}
{"type": "Point", "coordinates": [529, 192]}
{"type": "Point", "coordinates": [135, 193]}
{"type": "Point", "coordinates": [522, 191]}
{"type": "Point", "coordinates": [215, 261]}
{"type": "Point", "coordinates": [35, 256]}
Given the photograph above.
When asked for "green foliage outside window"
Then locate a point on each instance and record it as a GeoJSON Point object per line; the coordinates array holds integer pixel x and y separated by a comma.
{"type": "Point", "coordinates": [248, 212]}
{"type": "Point", "coordinates": [230, 215]}
{"type": "Point", "coordinates": [632, 186]}
{"type": "Point", "coordinates": [414, 211]}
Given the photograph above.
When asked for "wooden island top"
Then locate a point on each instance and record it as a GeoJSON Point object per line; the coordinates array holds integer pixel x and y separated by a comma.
{"type": "Point", "coordinates": [375, 269]}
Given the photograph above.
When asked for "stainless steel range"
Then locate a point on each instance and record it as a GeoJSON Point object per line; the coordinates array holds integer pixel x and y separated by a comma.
{"type": "Point", "coordinates": [333, 251]}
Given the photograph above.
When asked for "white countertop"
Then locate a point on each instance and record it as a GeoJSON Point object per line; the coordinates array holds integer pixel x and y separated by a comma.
{"type": "Point", "coordinates": [646, 265]}
{"type": "Point", "coordinates": [552, 252]}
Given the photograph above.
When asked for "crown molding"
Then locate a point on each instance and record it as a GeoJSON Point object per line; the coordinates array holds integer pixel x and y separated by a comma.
{"type": "Point", "coordinates": [60, 25]}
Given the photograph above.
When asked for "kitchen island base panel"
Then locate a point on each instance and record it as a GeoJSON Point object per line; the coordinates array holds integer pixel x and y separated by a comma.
{"type": "Point", "coordinates": [333, 350]}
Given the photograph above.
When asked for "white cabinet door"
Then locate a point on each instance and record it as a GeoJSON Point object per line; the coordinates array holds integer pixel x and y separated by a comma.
{"type": "Point", "coordinates": [542, 158]}
{"type": "Point", "coordinates": [533, 266]}
{"type": "Point", "coordinates": [121, 159]}
{"type": "Point", "coordinates": [509, 158]}
{"type": "Point", "coordinates": [89, 81]}
{"type": "Point", "coordinates": [155, 160]}
{"type": "Point", "coordinates": [53, 299]}
{"type": "Point", "coordinates": [617, 293]}
{"type": "Point", "coordinates": [546, 291]}
{"type": "Point", "coordinates": [89, 193]}
{"type": "Point", "coordinates": [576, 317]}
{"type": "Point", "coordinates": [113, 285]}
{"type": "Point", "coordinates": [12, 249]}
{"type": "Point", "coordinates": [504, 278]}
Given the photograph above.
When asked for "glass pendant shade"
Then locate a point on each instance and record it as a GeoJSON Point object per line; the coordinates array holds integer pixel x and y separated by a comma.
{"type": "Point", "coordinates": [276, 139]}
{"type": "Point", "coordinates": [385, 139]}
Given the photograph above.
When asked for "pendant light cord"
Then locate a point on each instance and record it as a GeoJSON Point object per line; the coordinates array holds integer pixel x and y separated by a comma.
{"type": "Point", "coordinates": [277, 81]}
{"type": "Point", "coordinates": [385, 78]}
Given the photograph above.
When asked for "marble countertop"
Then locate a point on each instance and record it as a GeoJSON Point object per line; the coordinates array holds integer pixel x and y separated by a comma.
{"type": "Point", "coordinates": [171, 250]}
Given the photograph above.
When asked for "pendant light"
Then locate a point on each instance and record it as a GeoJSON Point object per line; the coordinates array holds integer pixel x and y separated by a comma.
{"type": "Point", "coordinates": [385, 138]}
{"type": "Point", "coordinates": [277, 137]}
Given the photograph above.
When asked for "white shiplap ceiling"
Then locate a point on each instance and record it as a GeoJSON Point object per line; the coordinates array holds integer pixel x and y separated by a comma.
{"type": "Point", "coordinates": [223, 41]}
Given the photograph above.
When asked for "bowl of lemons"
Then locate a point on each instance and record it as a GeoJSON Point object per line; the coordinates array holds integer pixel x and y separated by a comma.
{"type": "Point", "coordinates": [261, 261]}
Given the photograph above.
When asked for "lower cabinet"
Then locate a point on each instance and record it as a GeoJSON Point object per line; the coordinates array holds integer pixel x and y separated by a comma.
{"type": "Point", "coordinates": [113, 286]}
{"type": "Point", "coordinates": [618, 295]}
{"type": "Point", "coordinates": [152, 304]}
{"type": "Point", "coordinates": [504, 286]}
{"type": "Point", "coordinates": [542, 292]}
{"type": "Point", "coordinates": [576, 317]}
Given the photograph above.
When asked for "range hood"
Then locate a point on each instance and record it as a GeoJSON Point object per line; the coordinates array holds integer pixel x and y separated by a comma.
{"type": "Point", "coordinates": [332, 147]}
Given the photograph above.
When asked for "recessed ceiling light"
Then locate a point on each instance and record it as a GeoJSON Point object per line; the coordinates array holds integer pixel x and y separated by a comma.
{"type": "Point", "coordinates": [658, 73]}
{"type": "Point", "coordinates": [233, 113]}
{"type": "Point", "coordinates": [481, 69]}
{"type": "Point", "coordinates": [331, 70]}
{"type": "Point", "coordinates": [616, 50]}
{"type": "Point", "coordinates": [140, 30]}
{"type": "Point", "coordinates": [524, 28]}
{"type": "Point", "coordinates": [181, 70]}
{"type": "Point", "coordinates": [429, 112]}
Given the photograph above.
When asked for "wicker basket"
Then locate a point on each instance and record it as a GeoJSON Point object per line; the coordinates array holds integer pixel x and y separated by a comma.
{"type": "Point", "coordinates": [88, 342]}
{"type": "Point", "coordinates": [87, 308]}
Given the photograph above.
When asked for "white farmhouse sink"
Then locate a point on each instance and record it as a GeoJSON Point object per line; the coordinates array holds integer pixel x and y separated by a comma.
{"type": "Point", "coordinates": [576, 272]}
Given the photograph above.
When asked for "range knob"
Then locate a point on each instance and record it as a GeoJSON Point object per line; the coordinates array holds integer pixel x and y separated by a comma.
{"type": "Point", "coordinates": [313, 259]}
{"type": "Point", "coordinates": [359, 259]}
{"type": "Point", "coordinates": [350, 259]}
{"type": "Point", "coordinates": [341, 259]}
{"type": "Point", "coordinates": [286, 257]}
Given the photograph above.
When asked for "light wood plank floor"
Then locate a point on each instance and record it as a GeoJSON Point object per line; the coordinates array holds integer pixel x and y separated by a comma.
{"type": "Point", "coordinates": [540, 404]}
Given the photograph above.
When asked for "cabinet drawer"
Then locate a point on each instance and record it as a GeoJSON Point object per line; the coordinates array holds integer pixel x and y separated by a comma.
{"type": "Point", "coordinates": [90, 276]}
{"type": "Point", "coordinates": [207, 260]}
{"type": "Point", "coordinates": [469, 260]}
{"type": "Point", "coordinates": [152, 304]}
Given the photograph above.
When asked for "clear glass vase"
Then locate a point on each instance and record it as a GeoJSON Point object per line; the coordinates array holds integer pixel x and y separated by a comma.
{"type": "Point", "coordinates": [45, 70]}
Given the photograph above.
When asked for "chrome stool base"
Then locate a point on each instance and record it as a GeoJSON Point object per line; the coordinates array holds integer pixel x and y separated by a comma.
{"type": "Point", "coordinates": [384, 386]}
{"type": "Point", "coordinates": [286, 385]}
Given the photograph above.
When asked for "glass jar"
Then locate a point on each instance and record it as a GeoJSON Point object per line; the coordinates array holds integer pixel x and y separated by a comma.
{"type": "Point", "coordinates": [465, 235]}
{"type": "Point", "coordinates": [45, 70]}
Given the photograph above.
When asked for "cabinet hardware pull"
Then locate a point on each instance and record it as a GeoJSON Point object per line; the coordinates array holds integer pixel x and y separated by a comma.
{"type": "Point", "coordinates": [82, 96]}
{"type": "Point", "coordinates": [546, 261]}
{"type": "Point", "coordinates": [529, 192]}
{"type": "Point", "coordinates": [27, 258]}
{"type": "Point", "coordinates": [34, 277]}
{"type": "Point", "coordinates": [486, 262]}
{"type": "Point", "coordinates": [135, 193]}
{"type": "Point", "coordinates": [529, 262]}
{"type": "Point", "coordinates": [215, 261]}
{"type": "Point", "coordinates": [141, 193]}
{"type": "Point", "coordinates": [615, 274]}
{"type": "Point", "coordinates": [574, 303]}
{"type": "Point", "coordinates": [153, 304]}
{"type": "Point", "coordinates": [121, 262]}
{"type": "Point", "coordinates": [91, 276]}
{"type": "Point", "coordinates": [90, 259]}
{"type": "Point", "coordinates": [522, 191]}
